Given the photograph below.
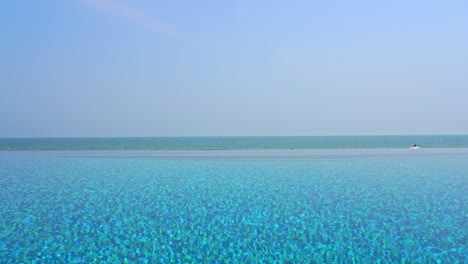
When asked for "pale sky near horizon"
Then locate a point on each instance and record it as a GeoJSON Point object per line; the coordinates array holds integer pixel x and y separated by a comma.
{"type": "Point", "coordinates": [233, 68]}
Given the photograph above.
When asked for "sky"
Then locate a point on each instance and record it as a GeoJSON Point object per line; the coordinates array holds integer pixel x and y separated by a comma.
{"type": "Point", "coordinates": [96, 68]}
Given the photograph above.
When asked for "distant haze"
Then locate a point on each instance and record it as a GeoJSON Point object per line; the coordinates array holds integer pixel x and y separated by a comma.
{"type": "Point", "coordinates": [202, 68]}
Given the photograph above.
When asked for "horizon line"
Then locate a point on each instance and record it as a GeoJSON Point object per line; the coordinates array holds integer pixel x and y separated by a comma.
{"type": "Point", "coordinates": [239, 136]}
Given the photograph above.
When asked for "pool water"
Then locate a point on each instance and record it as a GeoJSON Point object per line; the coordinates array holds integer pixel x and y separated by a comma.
{"type": "Point", "coordinates": [320, 208]}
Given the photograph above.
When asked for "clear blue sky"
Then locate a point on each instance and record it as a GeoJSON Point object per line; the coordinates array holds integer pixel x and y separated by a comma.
{"type": "Point", "coordinates": [234, 67]}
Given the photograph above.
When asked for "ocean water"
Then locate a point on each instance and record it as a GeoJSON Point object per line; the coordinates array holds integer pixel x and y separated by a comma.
{"type": "Point", "coordinates": [245, 206]}
{"type": "Point", "coordinates": [234, 143]}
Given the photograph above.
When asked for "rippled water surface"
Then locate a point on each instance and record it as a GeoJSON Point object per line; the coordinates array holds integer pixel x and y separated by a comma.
{"type": "Point", "coordinates": [234, 207]}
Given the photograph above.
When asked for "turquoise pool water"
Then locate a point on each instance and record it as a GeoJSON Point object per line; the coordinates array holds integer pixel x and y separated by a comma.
{"type": "Point", "coordinates": [316, 206]}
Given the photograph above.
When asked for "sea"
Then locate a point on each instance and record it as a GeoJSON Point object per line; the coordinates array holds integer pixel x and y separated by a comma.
{"type": "Point", "coordinates": [233, 143]}
{"type": "Point", "coordinates": [330, 199]}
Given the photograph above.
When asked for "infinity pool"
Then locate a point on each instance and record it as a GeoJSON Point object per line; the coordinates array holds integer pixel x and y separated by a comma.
{"type": "Point", "coordinates": [275, 206]}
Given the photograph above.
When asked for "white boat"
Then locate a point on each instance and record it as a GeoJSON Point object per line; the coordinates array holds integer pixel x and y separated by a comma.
{"type": "Point", "coordinates": [415, 147]}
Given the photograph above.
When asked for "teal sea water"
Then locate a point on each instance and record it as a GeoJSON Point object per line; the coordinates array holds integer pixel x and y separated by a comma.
{"type": "Point", "coordinates": [235, 206]}
{"type": "Point", "coordinates": [233, 143]}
